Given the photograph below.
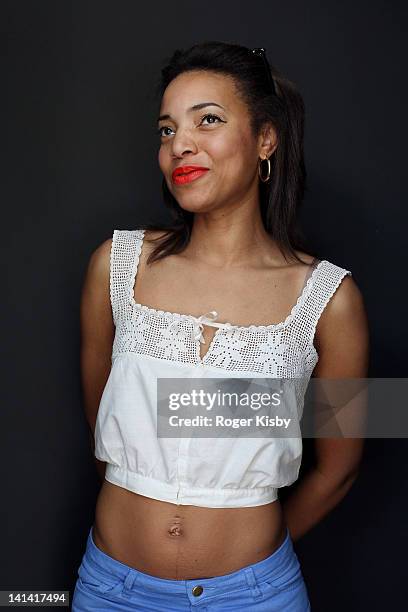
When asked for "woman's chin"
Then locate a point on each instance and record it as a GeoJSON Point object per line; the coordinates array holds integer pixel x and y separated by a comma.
{"type": "Point", "coordinates": [196, 207]}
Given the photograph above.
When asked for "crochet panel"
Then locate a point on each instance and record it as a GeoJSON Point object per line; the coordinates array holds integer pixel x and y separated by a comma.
{"type": "Point", "coordinates": [282, 350]}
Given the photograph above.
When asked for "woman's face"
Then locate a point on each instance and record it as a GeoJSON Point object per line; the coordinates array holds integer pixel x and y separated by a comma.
{"type": "Point", "coordinates": [215, 135]}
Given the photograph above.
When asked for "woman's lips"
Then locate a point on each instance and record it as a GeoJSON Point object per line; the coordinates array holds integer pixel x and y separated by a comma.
{"type": "Point", "coordinates": [181, 179]}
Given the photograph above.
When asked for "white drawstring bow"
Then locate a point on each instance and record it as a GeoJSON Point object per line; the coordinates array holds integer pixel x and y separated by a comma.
{"type": "Point", "coordinates": [198, 324]}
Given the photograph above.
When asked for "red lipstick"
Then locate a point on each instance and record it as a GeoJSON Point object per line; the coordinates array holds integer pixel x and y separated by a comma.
{"type": "Point", "coordinates": [187, 174]}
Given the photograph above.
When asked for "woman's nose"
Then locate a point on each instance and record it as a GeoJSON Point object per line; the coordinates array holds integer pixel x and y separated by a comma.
{"type": "Point", "coordinates": [183, 143]}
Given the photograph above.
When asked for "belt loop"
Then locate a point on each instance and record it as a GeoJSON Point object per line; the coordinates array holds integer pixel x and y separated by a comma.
{"type": "Point", "coordinates": [129, 581]}
{"type": "Point", "coordinates": [252, 582]}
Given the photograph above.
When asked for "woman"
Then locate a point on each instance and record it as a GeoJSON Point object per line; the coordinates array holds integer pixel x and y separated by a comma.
{"type": "Point", "coordinates": [184, 523]}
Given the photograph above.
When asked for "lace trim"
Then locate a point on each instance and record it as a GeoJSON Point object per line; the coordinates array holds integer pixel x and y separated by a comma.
{"type": "Point", "coordinates": [324, 303]}
{"type": "Point", "coordinates": [139, 236]}
{"type": "Point", "coordinates": [111, 275]}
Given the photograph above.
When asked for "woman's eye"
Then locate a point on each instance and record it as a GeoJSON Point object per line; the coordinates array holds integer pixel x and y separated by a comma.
{"type": "Point", "coordinates": [211, 116]}
{"type": "Point", "coordinates": [159, 131]}
{"type": "Point", "coordinates": [208, 116]}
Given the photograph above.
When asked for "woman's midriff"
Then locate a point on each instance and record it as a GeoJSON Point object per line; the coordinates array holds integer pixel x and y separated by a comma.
{"type": "Point", "coordinates": [181, 542]}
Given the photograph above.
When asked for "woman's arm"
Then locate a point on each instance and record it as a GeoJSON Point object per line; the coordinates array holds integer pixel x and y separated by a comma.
{"type": "Point", "coordinates": [97, 334]}
{"type": "Point", "coordinates": [342, 342]}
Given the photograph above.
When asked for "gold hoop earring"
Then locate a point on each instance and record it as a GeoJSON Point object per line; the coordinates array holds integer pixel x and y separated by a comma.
{"type": "Point", "coordinates": [263, 179]}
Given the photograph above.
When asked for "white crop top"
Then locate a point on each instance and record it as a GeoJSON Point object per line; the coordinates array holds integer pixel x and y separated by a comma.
{"type": "Point", "coordinates": [200, 471]}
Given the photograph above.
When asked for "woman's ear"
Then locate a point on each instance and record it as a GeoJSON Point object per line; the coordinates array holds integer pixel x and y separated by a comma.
{"type": "Point", "coordinates": [268, 141]}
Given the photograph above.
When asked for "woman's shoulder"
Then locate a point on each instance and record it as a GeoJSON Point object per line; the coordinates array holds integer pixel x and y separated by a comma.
{"type": "Point", "coordinates": [345, 293]}
{"type": "Point", "coordinates": [101, 255]}
{"type": "Point", "coordinates": [99, 259]}
{"type": "Point", "coordinates": [341, 299]}
{"type": "Point", "coordinates": [344, 306]}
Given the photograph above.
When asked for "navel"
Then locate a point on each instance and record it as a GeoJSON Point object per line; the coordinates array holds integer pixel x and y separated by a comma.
{"type": "Point", "coordinates": [175, 529]}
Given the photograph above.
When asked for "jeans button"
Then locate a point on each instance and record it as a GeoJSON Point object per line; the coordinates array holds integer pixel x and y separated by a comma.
{"type": "Point", "coordinates": [197, 590]}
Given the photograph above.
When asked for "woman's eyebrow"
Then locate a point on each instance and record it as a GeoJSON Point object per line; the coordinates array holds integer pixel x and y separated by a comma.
{"type": "Point", "coordinates": [193, 108]}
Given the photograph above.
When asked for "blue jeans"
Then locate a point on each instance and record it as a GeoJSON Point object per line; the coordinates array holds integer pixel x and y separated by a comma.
{"type": "Point", "coordinates": [271, 585]}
